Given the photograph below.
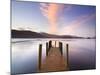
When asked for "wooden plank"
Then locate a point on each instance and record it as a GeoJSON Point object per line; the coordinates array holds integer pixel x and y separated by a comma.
{"type": "Point", "coordinates": [54, 61]}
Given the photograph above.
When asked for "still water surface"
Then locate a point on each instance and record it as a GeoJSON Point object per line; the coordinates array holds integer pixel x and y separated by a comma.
{"type": "Point", "coordinates": [82, 54]}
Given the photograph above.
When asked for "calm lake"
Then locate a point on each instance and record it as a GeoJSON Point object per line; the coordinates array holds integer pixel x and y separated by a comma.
{"type": "Point", "coordinates": [24, 52]}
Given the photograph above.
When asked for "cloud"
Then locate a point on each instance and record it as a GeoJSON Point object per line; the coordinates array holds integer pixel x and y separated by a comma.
{"type": "Point", "coordinates": [50, 11]}
{"type": "Point", "coordinates": [74, 25]}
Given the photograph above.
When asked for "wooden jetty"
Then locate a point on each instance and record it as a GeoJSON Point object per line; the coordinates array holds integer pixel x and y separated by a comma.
{"type": "Point", "coordinates": [55, 60]}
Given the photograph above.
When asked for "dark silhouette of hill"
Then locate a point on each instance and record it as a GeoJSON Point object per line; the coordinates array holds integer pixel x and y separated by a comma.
{"type": "Point", "coordinates": [31, 34]}
{"type": "Point", "coordinates": [25, 34]}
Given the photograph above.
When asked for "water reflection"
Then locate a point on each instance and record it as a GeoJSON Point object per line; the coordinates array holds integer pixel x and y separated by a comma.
{"type": "Point", "coordinates": [25, 54]}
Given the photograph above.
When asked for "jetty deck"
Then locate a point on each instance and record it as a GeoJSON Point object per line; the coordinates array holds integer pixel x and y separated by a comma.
{"type": "Point", "coordinates": [54, 61]}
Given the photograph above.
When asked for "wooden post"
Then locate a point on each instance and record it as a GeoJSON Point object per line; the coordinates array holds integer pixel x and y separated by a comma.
{"type": "Point", "coordinates": [50, 44]}
{"type": "Point", "coordinates": [47, 49]}
{"type": "Point", "coordinates": [40, 56]}
{"type": "Point", "coordinates": [67, 54]}
{"type": "Point", "coordinates": [60, 46]}
{"type": "Point", "coordinates": [55, 43]}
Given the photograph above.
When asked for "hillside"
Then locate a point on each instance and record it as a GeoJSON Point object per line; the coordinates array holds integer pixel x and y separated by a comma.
{"type": "Point", "coordinates": [31, 34]}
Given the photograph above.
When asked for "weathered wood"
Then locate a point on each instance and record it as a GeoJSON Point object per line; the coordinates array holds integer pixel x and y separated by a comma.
{"type": "Point", "coordinates": [40, 56]}
{"type": "Point", "coordinates": [54, 61]}
{"type": "Point", "coordinates": [50, 44]}
{"type": "Point", "coordinates": [55, 43]}
{"type": "Point", "coordinates": [61, 48]}
{"type": "Point", "coordinates": [67, 54]}
{"type": "Point", "coordinates": [47, 49]}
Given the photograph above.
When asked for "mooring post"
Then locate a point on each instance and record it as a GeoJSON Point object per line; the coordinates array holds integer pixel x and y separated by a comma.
{"type": "Point", "coordinates": [40, 56]}
{"type": "Point", "coordinates": [67, 54]}
{"type": "Point", "coordinates": [47, 49]}
{"type": "Point", "coordinates": [50, 44]}
{"type": "Point", "coordinates": [60, 46]}
{"type": "Point", "coordinates": [55, 43]}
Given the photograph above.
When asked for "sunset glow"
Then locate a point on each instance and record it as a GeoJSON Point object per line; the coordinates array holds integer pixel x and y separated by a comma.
{"type": "Point", "coordinates": [60, 19]}
{"type": "Point", "coordinates": [51, 11]}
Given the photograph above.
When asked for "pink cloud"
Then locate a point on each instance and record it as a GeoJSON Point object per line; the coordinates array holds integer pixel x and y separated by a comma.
{"type": "Point", "coordinates": [50, 11]}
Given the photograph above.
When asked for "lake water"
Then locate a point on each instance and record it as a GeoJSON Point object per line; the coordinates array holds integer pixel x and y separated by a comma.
{"type": "Point", "coordinates": [82, 54]}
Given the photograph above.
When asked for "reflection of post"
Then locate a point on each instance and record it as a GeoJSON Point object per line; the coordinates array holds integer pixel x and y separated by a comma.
{"type": "Point", "coordinates": [47, 49]}
{"type": "Point", "coordinates": [40, 56]}
{"type": "Point", "coordinates": [60, 46]}
{"type": "Point", "coordinates": [67, 54]}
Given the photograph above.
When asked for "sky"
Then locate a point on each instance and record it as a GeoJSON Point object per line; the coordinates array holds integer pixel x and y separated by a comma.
{"type": "Point", "coordinates": [60, 19]}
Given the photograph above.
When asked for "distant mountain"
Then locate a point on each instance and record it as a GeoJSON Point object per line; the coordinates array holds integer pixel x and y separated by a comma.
{"type": "Point", "coordinates": [25, 34]}
{"type": "Point", "coordinates": [31, 34]}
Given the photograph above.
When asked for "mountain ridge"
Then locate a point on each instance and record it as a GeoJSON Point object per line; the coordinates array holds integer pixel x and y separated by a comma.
{"type": "Point", "coordinates": [32, 34]}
